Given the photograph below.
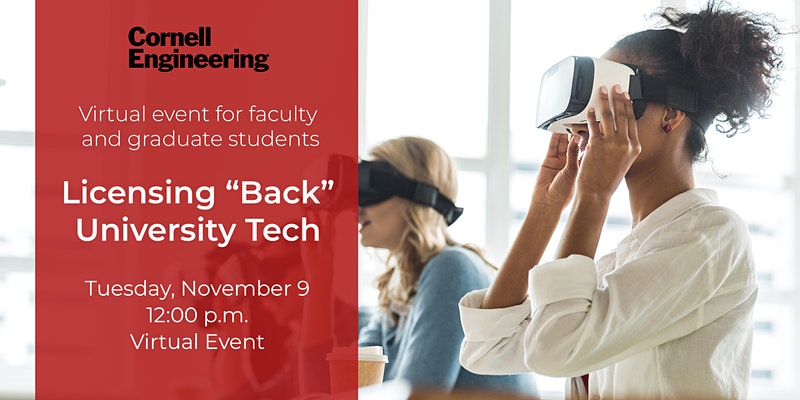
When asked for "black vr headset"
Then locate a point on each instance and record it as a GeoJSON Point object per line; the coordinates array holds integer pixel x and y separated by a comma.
{"type": "Point", "coordinates": [570, 87]}
{"type": "Point", "coordinates": [378, 181]}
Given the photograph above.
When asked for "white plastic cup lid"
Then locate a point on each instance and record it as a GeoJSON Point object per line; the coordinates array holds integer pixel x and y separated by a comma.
{"type": "Point", "coordinates": [373, 357]}
{"type": "Point", "coordinates": [367, 353]}
{"type": "Point", "coordinates": [377, 350]}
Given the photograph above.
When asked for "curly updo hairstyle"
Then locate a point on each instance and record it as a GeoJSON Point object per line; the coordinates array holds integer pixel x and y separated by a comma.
{"type": "Point", "coordinates": [729, 56]}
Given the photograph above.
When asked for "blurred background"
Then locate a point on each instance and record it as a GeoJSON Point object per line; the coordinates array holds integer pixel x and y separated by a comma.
{"type": "Point", "coordinates": [465, 73]}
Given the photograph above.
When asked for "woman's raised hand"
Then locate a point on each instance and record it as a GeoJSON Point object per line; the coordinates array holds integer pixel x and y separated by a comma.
{"type": "Point", "coordinates": [556, 179]}
{"type": "Point", "coordinates": [613, 144]}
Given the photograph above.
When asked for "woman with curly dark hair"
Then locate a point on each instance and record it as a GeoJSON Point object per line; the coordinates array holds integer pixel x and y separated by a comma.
{"type": "Point", "coordinates": [668, 314]}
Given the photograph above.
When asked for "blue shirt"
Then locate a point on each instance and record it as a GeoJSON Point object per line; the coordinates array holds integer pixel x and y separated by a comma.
{"type": "Point", "coordinates": [424, 348]}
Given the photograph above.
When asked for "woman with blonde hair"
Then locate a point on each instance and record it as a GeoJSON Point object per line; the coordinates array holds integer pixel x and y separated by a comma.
{"type": "Point", "coordinates": [406, 194]}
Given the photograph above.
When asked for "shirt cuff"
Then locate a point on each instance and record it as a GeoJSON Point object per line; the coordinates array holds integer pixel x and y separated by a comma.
{"type": "Point", "coordinates": [574, 277]}
{"type": "Point", "coordinates": [482, 324]}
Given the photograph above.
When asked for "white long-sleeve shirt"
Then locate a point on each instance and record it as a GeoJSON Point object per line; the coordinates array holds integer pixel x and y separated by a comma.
{"type": "Point", "coordinates": [666, 315]}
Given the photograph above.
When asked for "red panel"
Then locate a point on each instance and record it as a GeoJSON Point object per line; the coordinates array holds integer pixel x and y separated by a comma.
{"type": "Point", "coordinates": [224, 155]}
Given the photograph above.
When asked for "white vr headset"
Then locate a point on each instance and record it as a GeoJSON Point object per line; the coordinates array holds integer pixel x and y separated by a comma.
{"type": "Point", "coordinates": [571, 86]}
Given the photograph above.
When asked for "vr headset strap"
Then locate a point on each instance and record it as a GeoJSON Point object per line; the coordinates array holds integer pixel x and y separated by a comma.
{"type": "Point", "coordinates": [416, 191]}
{"type": "Point", "coordinates": [671, 95]}
{"type": "Point", "coordinates": [646, 87]}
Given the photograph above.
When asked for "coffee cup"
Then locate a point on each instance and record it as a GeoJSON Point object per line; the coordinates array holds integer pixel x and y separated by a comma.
{"type": "Point", "coordinates": [344, 362]}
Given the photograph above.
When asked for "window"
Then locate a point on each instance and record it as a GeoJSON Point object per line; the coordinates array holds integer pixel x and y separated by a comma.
{"type": "Point", "coordinates": [17, 205]}
{"type": "Point", "coordinates": [466, 74]}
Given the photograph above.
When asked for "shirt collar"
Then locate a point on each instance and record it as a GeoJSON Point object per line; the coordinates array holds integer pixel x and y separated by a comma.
{"type": "Point", "coordinates": [672, 209]}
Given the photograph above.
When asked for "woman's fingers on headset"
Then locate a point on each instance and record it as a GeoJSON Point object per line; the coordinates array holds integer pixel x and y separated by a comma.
{"type": "Point", "coordinates": [616, 116]}
{"type": "Point", "coordinates": [620, 112]}
{"type": "Point", "coordinates": [606, 113]}
{"type": "Point", "coordinates": [633, 129]}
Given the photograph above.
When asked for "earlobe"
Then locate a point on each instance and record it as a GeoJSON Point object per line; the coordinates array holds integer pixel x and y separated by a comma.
{"type": "Point", "coordinates": [673, 119]}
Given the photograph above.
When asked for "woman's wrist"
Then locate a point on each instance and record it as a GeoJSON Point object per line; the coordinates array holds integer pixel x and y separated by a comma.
{"type": "Point", "coordinates": [584, 225]}
{"type": "Point", "coordinates": [590, 197]}
{"type": "Point", "coordinates": [544, 208]}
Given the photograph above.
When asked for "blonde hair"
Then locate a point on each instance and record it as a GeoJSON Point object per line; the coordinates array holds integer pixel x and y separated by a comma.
{"type": "Point", "coordinates": [426, 233]}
